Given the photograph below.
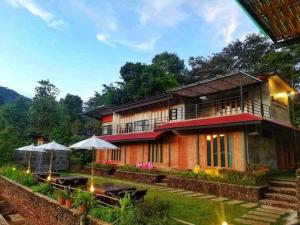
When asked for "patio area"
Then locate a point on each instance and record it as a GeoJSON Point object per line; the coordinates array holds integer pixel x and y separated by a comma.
{"type": "Point", "coordinates": [197, 208]}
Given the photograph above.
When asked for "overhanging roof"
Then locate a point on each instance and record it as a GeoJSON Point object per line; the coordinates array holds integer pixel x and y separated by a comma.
{"type": "Point", "coordinates": [133, 137]}
{"type": "Point", "coordinates": [279, 19]}
{"type": "Point", "coordinates": [218, 84]}
{"type": "Point", "coordinates": [98, 112]}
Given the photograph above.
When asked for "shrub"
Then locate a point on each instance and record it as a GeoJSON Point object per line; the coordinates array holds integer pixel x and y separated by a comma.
{"type": "Point", "coordinates": [105, 166]}
{"type": "Point", "coordinates": [135, 169]}
{"type": "Point", "coordinates": [249, 178]}
{"type": "Point", "coordinates": [84, 198]}
{"type": "Point", "coordinates": [18, 176]}
{"type": "Point", "coordinates": [107, 214]}
{"type": "Point", "coordinates": [44, 188]}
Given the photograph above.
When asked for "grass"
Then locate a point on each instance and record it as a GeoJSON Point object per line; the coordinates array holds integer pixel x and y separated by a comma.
{"type": "Point", "coordinates": [190, 209]}
{"type": "Point", "coordinates": [289, 175]}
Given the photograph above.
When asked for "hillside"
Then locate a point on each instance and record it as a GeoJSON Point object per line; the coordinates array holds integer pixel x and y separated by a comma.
{"type": "Point", "coordinates": [9, 95]}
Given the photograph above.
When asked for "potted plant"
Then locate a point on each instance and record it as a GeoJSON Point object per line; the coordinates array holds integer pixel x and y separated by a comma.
{"type": "Point", "coordinates": [83, 201]}
{"type": "Point", "coordinates": [61, 197]}
{"type": "Point", "coordinates": [68, 201]}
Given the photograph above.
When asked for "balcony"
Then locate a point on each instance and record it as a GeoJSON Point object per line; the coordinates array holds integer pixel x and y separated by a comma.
{"type": "Point", "coordinates": [205, 109]}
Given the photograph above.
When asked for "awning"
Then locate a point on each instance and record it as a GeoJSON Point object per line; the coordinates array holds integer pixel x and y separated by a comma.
{"type": "Point", "coordinates": [279, 19]}
{"type": "Point", "coordinates": [221, 121]}
{"type": "Point", "coordinates": [133, 137]}
{"type": "Point", "coordinates": [216, 85]}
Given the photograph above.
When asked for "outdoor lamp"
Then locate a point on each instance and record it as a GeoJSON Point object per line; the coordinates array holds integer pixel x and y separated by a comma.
{"type": "Point", "coordinates": [28, 170]}
{"type": "Point", "coordinates": [224, 223]}
{"type": "Point", "coordinates": [92, 189]}
{"type": "Point", "coordinates": [49, 178]}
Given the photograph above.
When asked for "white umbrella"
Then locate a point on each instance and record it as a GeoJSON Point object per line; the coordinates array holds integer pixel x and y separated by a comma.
{"type": "Point", "coordinates": [29, 148]}
{"type": "Point", "coordinates": [92, 144]}
{"type": "Point", "coordinates": [52, 146]}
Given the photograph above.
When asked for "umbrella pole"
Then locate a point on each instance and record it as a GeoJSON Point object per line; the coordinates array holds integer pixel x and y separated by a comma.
{"type": "Point", "coordinates": [50, 167]}
{"type": "Point", "coordinates": [29, 163]}
{"type": "Point", "coordinates": [92, 173]}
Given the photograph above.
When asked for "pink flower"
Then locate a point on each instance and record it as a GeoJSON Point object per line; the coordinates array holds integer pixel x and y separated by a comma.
{"type": "Point", "coordinates": [139, 165]}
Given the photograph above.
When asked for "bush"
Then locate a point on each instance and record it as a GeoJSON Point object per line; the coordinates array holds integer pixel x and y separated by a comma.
{"type": "Point", "coordinates": [107, 214]}
{"type": "Point", "coordinates": [83, 198]}
{"type": "Point", "coordinates": [44, 188]}
{"type": "Point", "coordinates": [134, 169]}
{"type": "Point", "coordinates": [249, 178]}
{"type": "Point", "coordinates": [18, 176]}
{"type": "Point", "coordinates": [105, 166]}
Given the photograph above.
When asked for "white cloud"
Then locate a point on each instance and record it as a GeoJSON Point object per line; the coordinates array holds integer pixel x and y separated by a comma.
{"type": "Point", "coordinates": [36, 10]}
{"type": "Point", "coordinates": [142, 46]}
{"type": "Point", "coordinates": [222, 15]}
{"type": "Point", "coordinates": [161, 12]}
{"type": "Point", "coordinates": [103, 38]}
{"type": "Point", "coordinates": [102, 17]}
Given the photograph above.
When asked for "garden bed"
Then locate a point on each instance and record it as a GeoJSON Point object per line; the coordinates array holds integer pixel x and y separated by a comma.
{"type": "Point", "coordinates": [39, 209]}
{"type": "Point", "coordinates": [241, 192]}
{"type": "Point", "coordinates": [139, 177]}
{"type": "Point", "coordinates": [87, 170]}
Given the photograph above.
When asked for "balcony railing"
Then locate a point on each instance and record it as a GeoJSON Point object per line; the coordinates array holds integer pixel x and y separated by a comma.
{"type": "Point", "coordinates": [213, 108]}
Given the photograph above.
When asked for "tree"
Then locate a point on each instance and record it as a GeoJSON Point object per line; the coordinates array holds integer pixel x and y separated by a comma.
{"type": "Point", "coordinates": [171, 64]}
{"type": "Point", "coordinates": [1, 100]}
{"type": "Point", "coordinates": [44, 112]}
{"type": "Point", "coordinates": [72, 104]}
{"type": "Point", "coordinates": [238, 55]}
{"type": "Point", "coordinates": [129, 71]}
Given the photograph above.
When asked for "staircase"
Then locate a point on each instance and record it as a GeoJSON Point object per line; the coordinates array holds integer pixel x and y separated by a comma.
{"type": "Point", "coordinates": [281, 193]}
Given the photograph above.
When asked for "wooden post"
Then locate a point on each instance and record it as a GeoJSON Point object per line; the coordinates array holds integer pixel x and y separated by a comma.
{"type": "Point", "coordinates": [169, 148]}
{"type": "Point", "coordinates": [241, 94]}
{"type": "Point", "coordinates": [197, 150]}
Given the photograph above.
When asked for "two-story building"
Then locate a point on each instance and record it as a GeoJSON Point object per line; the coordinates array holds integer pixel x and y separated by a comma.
{"type": "Point", "coordinates": [232, 121]}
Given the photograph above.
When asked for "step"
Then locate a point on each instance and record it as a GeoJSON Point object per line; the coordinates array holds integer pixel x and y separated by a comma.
{"type": "Point", "coordinates": [250, 222]}
{"type": "Point", "coordinates": [281, 183]}
{"type": "Point", "coordinates": [280, 204]}
{"type": "Point", "coordinates": [282, 190]}
{"type": "Point", "coordinates": [16, 219]}
{"type": "Point", "coordinates": [281, 197]}
{"type": "Point", "coordinates": [3, 221]}
{"type": "Point", "coordinates": [286, 180]}
{"type": "Point", "coordinates": [259, 218]}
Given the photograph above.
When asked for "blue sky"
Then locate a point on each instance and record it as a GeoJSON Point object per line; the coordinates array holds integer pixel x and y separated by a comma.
{"type": "Point", "coordinates": [81, 44]}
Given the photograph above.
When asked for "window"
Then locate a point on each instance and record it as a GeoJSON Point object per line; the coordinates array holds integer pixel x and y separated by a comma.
{"type": "Point", "coordinates": [116, 155]}
{"type": "Point", "coordinates": [141, 125]}
{"type": "Point", "coordinates": [107, 130]}
{"type": "Point", "coordinates": [128, 127]}
{"type": "Point", "coordinates": [155, 152]}
{"type": "Point", "coordinates": [176, 113]}
{"type": "Point", "coordinates": [219, 150]}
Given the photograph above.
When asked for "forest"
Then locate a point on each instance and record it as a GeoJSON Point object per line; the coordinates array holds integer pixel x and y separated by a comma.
{"type": "Point", "coordinates": [63, 120]}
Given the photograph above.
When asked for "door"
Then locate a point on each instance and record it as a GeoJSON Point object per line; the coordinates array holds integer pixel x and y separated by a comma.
{"type": "Point", "coordinates": [183, 153]}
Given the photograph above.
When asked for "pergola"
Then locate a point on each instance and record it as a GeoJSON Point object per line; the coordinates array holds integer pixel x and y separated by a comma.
{"type": "Point", "coordinates": [279, 19]}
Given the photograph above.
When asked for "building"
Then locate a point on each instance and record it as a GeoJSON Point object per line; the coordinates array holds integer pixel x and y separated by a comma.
{"type": "Point", "coordinates": [232, 121]}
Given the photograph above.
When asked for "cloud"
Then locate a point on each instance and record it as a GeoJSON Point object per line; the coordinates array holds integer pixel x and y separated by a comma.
{"type": "Point", "coordinates": [103, 38]}
{"type": "Point", "coordinates": [101, 17]}
{"type": "Point", "coordinates": [223, 16]}
{"type": "Point", "coordinates": [161, 12]}
{"type": "Point", "coordinates": [142, 46]}
{"type": "Point", "coordinates": [36, 10]}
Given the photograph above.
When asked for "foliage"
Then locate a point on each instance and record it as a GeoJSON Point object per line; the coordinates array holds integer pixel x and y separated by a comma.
{"type": "Point", "coordinates": [249, 178]}
{"type": "Point", "coordinates": [107, 214]}
{"type": "Point", "coordinates": [18, 176]}
{"type": "Point", "coordinates": [135, 169]}
{"type": "Point", "coordinates": [127, 211]}
{"type": "Point", "coordinates": [63, 193]}
{"type": "Point", "coordinates": [80, 157]}
{"type": "Point", "coordinates": [105, 166]}
{"type": "Point", "coordinates": [83, 198]}
{"type": "Point", "coordinates": [43, 188]}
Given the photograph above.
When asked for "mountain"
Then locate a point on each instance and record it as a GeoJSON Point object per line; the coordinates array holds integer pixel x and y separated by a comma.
{"type": "Point", "coordinates": [9, 95]}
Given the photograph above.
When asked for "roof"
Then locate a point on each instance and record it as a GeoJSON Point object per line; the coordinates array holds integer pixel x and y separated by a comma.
{"type": "Point", "coordinates": [211, 121]}
{"type": "Point", "coordinates": [99, 112]}
{"type": "Point", "coordinates": [133, 137]}
{"type": "Point", "coordinates": [279, 19]}
{"type": "Point", "coordinates": [217, 84]}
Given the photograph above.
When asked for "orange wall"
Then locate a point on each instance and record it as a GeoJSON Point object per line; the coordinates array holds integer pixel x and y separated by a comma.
{"type": "Point", "coordinates": [183, 152]}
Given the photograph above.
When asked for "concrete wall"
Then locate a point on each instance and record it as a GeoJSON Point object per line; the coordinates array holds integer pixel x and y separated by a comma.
{"type": "Point", "coordinates": [262, 150]}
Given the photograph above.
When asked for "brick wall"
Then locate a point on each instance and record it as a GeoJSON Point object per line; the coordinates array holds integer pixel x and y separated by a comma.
{"type": "Point", "coordinates": [39, 209]}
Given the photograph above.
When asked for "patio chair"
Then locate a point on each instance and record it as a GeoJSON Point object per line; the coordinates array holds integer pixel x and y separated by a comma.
{"type": "Point", "coordinates": [139, 195]}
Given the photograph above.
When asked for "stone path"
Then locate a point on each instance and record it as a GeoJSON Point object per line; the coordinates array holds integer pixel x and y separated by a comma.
{"type": "Point", "coordinates": [264, 215]}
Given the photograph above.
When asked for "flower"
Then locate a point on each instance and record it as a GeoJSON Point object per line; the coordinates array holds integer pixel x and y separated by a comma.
{"type": "Point", "coordinates": [139, 165]}
{"type": "Point", "coordinates": [196, 169]}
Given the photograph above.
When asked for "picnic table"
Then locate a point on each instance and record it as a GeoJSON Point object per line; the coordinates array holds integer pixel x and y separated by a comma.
{"type": "Point", "coordinates": [72, 181]}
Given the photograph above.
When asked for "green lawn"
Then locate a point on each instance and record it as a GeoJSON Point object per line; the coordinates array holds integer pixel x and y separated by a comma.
{"type": "Point", "coordinates": [289, 175]}
{"type": "Point", "coordinates": [190, 209]}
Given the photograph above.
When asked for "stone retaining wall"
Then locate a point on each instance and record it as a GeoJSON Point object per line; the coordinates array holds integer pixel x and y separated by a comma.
{"type": "Point", "coordinates": [138, 177]}
{"type": "Point", "coordinates": [39, 209]}
{"type": "Point", "coordinates": [87, 170]}
{"type": "Point", "coordinates": [241, 192]}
